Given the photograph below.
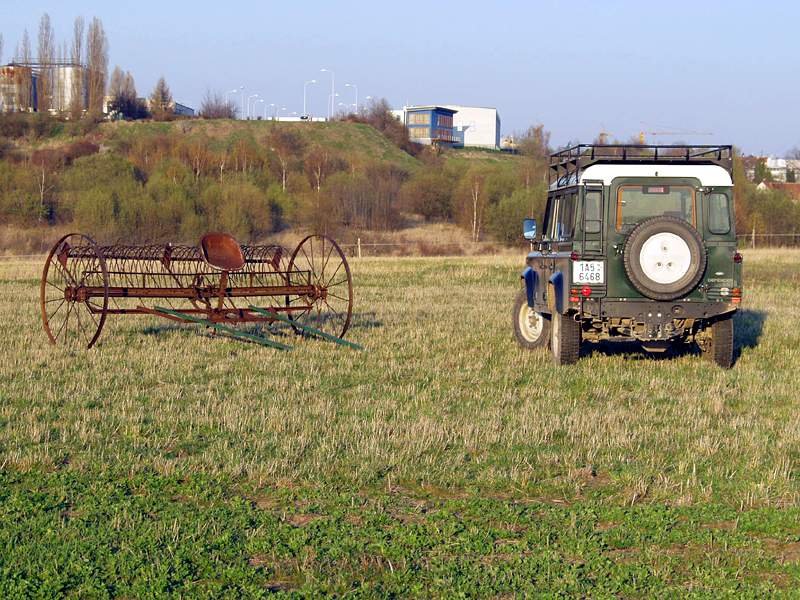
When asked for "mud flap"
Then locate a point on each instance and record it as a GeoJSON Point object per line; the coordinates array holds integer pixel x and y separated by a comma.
{"type": "Point", "coordinates": [529, 276]}
{"type": "Point", "coordinates": [555, 295]}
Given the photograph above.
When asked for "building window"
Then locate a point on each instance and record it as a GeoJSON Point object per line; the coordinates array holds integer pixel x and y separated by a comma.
{"type": "Point", "coordinates": [419, 118]}
{"type": "Point", "coordinates": [419, 132]}
{"type": "Point", "coordinates": [444, 120]}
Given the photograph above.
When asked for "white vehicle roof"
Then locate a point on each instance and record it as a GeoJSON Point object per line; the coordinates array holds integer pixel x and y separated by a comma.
{"type": "Point", "coordinates": [709, 175]}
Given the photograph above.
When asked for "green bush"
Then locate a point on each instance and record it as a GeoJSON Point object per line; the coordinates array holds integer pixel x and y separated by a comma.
{"type": "Point", "coordinates": [505, 217]}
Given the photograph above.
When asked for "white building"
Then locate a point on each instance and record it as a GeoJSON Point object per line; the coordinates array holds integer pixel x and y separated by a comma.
{"type": "Point", "coordinates": [476, 126]}
{"type": "Point", "coordinates": [473, 126]}
{"type": "Point", "coordinates": [777, 168]}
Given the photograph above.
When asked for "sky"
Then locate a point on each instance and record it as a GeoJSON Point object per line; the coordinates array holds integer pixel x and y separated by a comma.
{"type": "Point", "coordinates": [728, 68]}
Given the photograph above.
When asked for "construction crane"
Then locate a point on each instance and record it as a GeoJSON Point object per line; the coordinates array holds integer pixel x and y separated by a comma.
{"type": "Point", "coordinates": [643, 134]}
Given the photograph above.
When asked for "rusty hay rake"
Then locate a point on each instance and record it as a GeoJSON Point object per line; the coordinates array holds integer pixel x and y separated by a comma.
{"type": "Point", "coordinates": [218, 283]}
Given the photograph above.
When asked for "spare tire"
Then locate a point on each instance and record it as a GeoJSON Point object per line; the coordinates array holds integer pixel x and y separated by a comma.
{"type": "Point", "coordinates": [664, 258]}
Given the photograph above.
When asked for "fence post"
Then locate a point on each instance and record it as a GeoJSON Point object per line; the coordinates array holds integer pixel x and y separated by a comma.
{"type": "Point", "coordinates": [359, 247]}
{"type": "Point", "coordinates": [753, 244]}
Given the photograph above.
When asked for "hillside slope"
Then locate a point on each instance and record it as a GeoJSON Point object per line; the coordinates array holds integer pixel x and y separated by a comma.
{"type": "Point", "coordinates": [355, 142]}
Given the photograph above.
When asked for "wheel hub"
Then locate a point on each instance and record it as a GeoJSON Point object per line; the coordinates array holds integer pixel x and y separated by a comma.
{"type": "Point", "coordinates": [665, 258]}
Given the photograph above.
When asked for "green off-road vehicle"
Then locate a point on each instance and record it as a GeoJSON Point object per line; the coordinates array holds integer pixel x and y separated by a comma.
{"type": "Point", "coordinates": [638, 243]}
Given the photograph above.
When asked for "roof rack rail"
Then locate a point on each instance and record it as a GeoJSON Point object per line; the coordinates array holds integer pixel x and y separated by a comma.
{"type": "Point", "coordinates": [566, 164]}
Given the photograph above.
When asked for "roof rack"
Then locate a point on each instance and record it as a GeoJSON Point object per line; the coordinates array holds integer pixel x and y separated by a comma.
{"type": "Point", "coordinates": [566, 165]}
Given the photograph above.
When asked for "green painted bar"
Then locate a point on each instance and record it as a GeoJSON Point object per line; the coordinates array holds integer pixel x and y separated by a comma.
{"type": "Point", "coordinates": [308, 328]}
{"type": "Point", "coordinates": [229, 330]}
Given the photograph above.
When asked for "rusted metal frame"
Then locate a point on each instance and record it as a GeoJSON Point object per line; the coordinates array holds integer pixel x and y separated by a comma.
{"type": "Point", "coordinates": [178, 315]}
{"type": "Point", "coordinates": [307, 328]}
{"type": "Point", "coordinates": [242, 314]}
{"type": "Point", "coordinates": [192, 293]}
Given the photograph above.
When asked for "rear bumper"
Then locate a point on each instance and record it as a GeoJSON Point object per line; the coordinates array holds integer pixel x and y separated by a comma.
{"type": "Point", "coordinates": [649, 320]}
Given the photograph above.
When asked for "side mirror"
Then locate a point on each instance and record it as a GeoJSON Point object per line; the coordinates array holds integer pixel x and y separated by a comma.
{"type": "Point", "coordinates": [529, 229]}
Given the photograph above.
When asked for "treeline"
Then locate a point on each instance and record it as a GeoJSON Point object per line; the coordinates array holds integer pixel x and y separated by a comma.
{"type": "Point", "coordinates": [769, 211]}
{"type": "Point", "coordinates": [175, 182]}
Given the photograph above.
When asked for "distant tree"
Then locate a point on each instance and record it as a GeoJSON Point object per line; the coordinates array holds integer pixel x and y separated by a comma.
{"type": "Point", "coordinates": [287, 146]}
{"type": "Point", "coordinates": [319, 164]}
{"type": "Point", "coordinates": [44, 81]}
{"type": "Point", "coordinates": [96, 65]}
{"type": "Point", "coordinates": [535, 142]}
{"type": "Point", "coordinates": [429, 193]}
{"type": "Point", "coordinates": [161, 105]}
{"type": "Point", "coordinates": [762, 173]}
{"type": "Point", "coordinates": [124, 101]}
{"type": "Point", "coordinates": [214, 107]}
{"type": "Point", "coordinates": [78, 95]}
{"type": "Point", "coordinates": [24, 82]}
{"type": "Point", "coordinates": [379, 114]}
{"type": "Point", "coordinates": [472, 201]}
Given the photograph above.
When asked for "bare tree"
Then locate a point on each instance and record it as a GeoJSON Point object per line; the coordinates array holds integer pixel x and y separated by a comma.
{"type": "Point", "coordinates": [23, 79]}
{"type": "Point", "coordinates": [78, 92]}
{"type": "Point", "coordinates": [214, 107]}
{"type": "Point", "coordinates": [472, 200]}
{"type": "Point", "coordinates": [47, 53]}
{"type": "Point", "coordinates": [96, 64]}
{"type": "Point", "coordinates": [161, 105]}
{"type": "Point", "coordinates": [286, 145]}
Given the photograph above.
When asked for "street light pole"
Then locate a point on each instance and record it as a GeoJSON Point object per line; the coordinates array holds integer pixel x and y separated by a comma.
{"type": "Point", "coordinates": [333, 91]}
{"type": "Point", "coordinates": [355, 87]}
{"type": "Point", "coordinates": [248, 103]}
{"type": "Point", "coordinates": [305, 87]}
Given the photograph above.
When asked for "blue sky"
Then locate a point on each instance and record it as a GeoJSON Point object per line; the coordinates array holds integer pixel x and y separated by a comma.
{"type": "Point", "coordinates": [725, 67]}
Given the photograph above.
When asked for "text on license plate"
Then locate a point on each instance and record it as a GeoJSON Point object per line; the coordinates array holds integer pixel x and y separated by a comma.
{"type": "Point", "coordinates": [588, 271]}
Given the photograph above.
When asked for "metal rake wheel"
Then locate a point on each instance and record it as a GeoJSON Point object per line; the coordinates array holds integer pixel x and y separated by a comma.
{"type": "Point", "coordinates": [70, 317]}
{"type": "Point", "coordinates": [319, 260]}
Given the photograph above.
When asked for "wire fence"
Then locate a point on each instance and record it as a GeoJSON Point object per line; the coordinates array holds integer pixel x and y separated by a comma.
{"type": "Point", "coordinates": [768, 240]}
{"type": "Point", "coordinates": [361, 248]}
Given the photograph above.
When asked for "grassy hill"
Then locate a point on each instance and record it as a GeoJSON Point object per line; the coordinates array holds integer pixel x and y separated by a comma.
{"type": "Point", "coordinates": [172, 181]}
{"type": "Point", "coordinates": [355, 142]}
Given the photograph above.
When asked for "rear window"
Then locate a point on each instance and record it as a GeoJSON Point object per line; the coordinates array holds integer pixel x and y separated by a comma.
{"type": "Point", "coordinates": [719, 213]}
{"type": "Point", "coordinates": [638, 202]}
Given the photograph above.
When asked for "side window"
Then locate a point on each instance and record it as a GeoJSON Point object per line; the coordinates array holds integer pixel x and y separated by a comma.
{"type": "Point", "coordinates": [593, 203]}
{"type": "Point", "coordinates": [553, 223]}
{"type": "Point", "coordinates": [560, 217]}
{"type": "Point", "coordinates": [719, 213]}
{"type": "Point", "coordinates": [567, 219]}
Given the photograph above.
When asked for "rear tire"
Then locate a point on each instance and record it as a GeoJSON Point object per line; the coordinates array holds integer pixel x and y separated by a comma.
{"type": "Point", "coordinates": [531, 328]}
{"type": "Point", "coordinates": [565, 339]}
{"type": "Point", "coordinates": [719, 348]}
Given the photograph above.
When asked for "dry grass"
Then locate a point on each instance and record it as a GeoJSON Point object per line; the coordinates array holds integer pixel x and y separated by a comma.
{"type": "Point", "coordinates": [442, 396]}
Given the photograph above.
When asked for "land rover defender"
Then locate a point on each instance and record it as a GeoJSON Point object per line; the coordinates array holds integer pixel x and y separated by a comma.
{"type": "Point", "coordinates": [638, 242]}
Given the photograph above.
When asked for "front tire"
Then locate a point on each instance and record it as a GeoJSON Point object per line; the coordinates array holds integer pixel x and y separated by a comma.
{"type": "Point", "coordinates": [565, 339]}
{"type": "Point", "coordinates": [531, 329]}
{"type": "Point", "coordinates": [719, 348]}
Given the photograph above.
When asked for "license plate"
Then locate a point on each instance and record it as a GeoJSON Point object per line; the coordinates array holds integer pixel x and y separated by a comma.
{"type": "Point", "coordinates": [588, 271]}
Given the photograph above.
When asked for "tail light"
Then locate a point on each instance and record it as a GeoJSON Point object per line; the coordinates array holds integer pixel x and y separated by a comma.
{"type": "Point", "coordinates": [586, 291]}
{"type": "Point", "coordinates": [737, 258]}
{"type": "Point", "coordinates": [574, 256]}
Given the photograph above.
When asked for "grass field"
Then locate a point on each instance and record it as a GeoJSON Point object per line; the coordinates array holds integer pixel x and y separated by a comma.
{"type": "Point", "coordinates": [442, 461]}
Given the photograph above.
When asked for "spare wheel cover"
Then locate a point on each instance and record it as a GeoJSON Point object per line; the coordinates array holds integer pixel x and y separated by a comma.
{"type": "Point", "coordinates": [664, 258]}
